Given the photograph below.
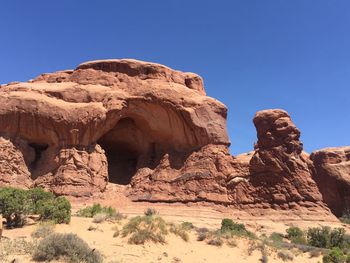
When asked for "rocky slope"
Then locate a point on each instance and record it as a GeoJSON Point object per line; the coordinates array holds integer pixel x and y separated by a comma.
{"type": "Point", "coordinates": [154, 130]}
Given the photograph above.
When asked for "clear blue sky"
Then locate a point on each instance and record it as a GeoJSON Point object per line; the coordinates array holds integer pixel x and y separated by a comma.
{"type": "Point", "coordinates": [253, 55]}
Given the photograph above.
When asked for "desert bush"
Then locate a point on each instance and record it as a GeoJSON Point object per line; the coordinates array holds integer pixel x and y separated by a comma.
{"type": "Point", "coordinates": [99, 218]}
{"type": "Point", "coordinates": [11, 247]}
{"type": "Point", "coordinates": [276, 238]}
{"type": "Point", "coordinates": [325, 237]}
{"type": "Point", "coordinates": [230, 229]}
{"type": "Point", "coordinates": [202, 233]}
{"type": "Point", "coordinates": [285, 255]}
{"type": "Point", "coordinates": [180, 230]}
{"type": "Point", "coordinates": [14, 206]}
{"type": "Point", "coordinates": [345, 218]}
{"type": "Point", "coordinates": [38, 197]}
{"type": "Point", "coordinates": [335, 256]}
{"type": "Point", "coordinates": [91, 211]}
{"type": "Point", "coordinates": [145, 228]}
{"type": "Point", "coordinates": [57, 210]}
{"type": "Point", "coordinates": [296, 235]}
{"type": "Point", "coordinates": [150, 212]}
{"type": "Point", "coordinates": [43, 230]}
{"type": "Point", "coordinates": [69, 247]}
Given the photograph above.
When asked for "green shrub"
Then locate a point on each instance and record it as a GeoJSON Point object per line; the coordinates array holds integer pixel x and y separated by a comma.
{"type": "Point", "coordinates": [91, 211]}
{"type": "Point", "coordinates": [325, 237]}
{"type": "Point", "coordinates": [296, 235]}
{"type": "Point", "coordinates": [38, 197]}
{"type": "Point", "coordinates": [230, 228]}
{"type": "Point", "coordinates": [57, 210]}
{"type": "Point", "coordinates": [43, 230]}
{"type": "Point", "coordinates": [335, 256]}
{"type": "Point", "coordinates": [229, 225]}
{"type": "Point", "coordinates": [69, 247]}
{"type": "Point", "coordinates": [145, 228]}
{"type": "Point", "coordinates": [14, 206]}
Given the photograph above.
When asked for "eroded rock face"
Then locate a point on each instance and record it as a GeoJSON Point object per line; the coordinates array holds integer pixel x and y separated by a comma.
{"type": "Point", "coordinates": [136, 111]}
{"type": "Point", "coordinates": [332, 175]}
{"type": "Point", "coordinates": [276, 175]}
{"type": "Point", "coordinates": [13, 169]}
{"type": "Point", "coordinates": [153, 129]}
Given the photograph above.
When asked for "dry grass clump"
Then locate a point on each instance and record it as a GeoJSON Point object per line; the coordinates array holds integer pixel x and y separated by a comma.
{"type": "Point", "coordinates": [145, 228]}
{"type": "Point", "coordinates": [43, 230]}
{"type": "Point", "coordinates": [67, 247]}
{"type": "Point", "coordinates": [13, 247]}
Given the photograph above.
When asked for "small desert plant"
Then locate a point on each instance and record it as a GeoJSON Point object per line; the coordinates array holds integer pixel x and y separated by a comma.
{"type": "Point", "coordinates": [92, 211]}
{"type": "Point", "coordinates": [145, 228]}
{"type": "Point", "coordinates": [69, 247]}
{"type": "Point", "coordinates": [230, 228]}
{"type": "Point", "coordinates": [180, 230]}
{"type": "Point", "coordinates": [296, 235]}
{"type": "Point", "coordinates": [202, 233]}
{"type": "Point", "coordinates": [345, 218]}
{"type": "Point", "coordinates": [325, 237]}
{"type": "Point", "coordinates": [285, 255]}
{"type": "Point", "coordinates": [43, 230]}
{"type": "Point", "coordinates": [13, 247]}
{"type": "Point", "coordinates": [335, 256]}
{"type": "Point", "coordinates": [99, 218]}
{"type": "Point", "coordinates": [150, 212]}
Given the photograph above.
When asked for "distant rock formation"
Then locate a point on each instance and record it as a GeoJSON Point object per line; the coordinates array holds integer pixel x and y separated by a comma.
{"type": "Point", "coordinates": [154, 130]}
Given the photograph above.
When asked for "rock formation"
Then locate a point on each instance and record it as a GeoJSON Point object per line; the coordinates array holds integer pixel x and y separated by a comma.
{"type": "Point", "coordinates": [276, 175]}
{"type": "Point", "coordinates": [136, 111]}
{"type": "Point", "coordinates": [332, 175]}
{"type": "Point", "coordinates": [154, 130]}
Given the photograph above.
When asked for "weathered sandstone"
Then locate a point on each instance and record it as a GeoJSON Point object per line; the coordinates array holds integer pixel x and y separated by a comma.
{"type": "Point", "coordinates": [153, 130]}
{"type": "Point", "coordinates": [332, 175]}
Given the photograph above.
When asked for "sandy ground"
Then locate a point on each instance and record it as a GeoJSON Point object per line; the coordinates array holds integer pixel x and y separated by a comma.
{"type": "Point", "coordinates": [117, 249]}
{"type": "Point", "coordinates": [175, 250]}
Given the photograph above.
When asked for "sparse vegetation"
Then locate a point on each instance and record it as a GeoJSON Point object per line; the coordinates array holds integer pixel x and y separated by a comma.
{"type": "Point", "coordinates": [69, 247]}
{"type": "Point", "coordinates": [99, 218]}
{"type": "Point", "coordinates": [97, 210]}
{"type": "Point", "coordinates": [345, 218]}
{"type": "Point", "coordinates": [12, 247]}
{"type": "Point", "coordinates": [16, 204]}
{"type": "Point", "coordinates": [336, 255]}
{"type": "Point", "coordinates": [296, 235]}
{"type": "Point", "coordinates": [145, 228]}
{"type": "Point", "coordinates": [181, 230]}
{"type": "Point", "coordinates": [43, 230]}
{"type": "Point", "coordinates": [325, 237]}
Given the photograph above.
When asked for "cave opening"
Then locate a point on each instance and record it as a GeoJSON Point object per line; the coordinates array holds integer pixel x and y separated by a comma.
{"type": "Point", "coordinates": [38, 150]}
{"type": "Point", "coordinates": [123, 146]}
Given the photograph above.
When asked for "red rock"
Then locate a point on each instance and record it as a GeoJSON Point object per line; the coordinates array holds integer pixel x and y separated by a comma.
{"type": "Point", "coordinates": [332, 175]}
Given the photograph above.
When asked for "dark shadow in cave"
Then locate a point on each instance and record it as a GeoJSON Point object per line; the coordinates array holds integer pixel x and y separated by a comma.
{"type": "Point", "coordinates": [122, 162]}
{"type": "Point", "coordinates": [38, 150]}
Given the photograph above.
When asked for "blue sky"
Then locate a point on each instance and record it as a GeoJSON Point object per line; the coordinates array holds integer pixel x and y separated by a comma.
{"type": "Point", "coordinates": [253, 55]}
